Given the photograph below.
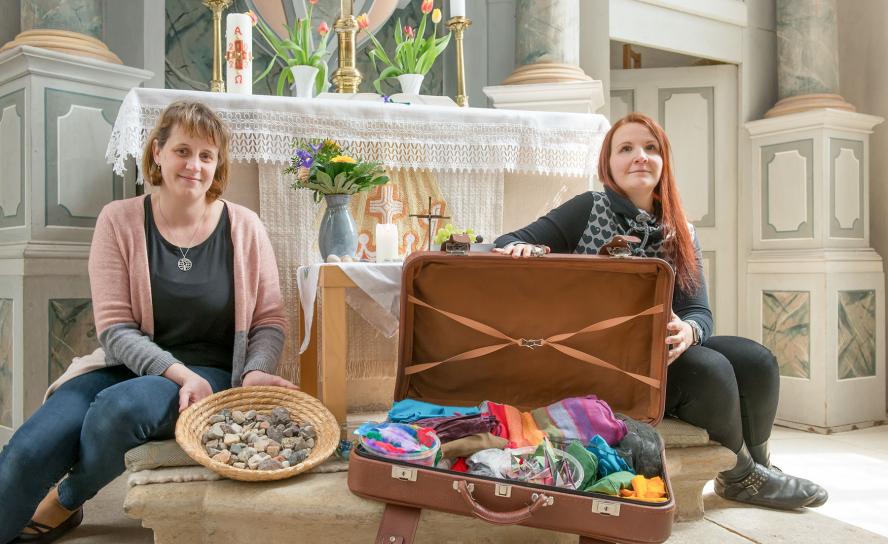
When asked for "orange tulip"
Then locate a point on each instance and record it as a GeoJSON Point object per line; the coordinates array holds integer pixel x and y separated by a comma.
{"type": "Point", "coordinates": [323, 29]}
{"type": "Point", "coordinates": [427, 6]}
{"type": "Point", "coordinates": [363, 22]}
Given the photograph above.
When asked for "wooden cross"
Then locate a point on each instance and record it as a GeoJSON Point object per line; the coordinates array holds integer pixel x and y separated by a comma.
{"type": "Point", "coordinates": [429, 216]}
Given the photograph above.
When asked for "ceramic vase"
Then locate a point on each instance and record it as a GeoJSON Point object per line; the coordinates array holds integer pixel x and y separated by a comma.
{"type": "Point", "coordinates": [338, 233]}
{"type": "Point", "coordinates": [410, 83]}
{"type": "Point", "coordinates": [304, 77]}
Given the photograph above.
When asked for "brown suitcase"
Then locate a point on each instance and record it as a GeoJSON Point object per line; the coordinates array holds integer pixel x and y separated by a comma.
{"type": "Point", "coordinates": [526, 332]}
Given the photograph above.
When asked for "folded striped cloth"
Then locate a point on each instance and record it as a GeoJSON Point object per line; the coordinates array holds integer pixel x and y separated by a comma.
{"type": "Point", "coordinates": [579, 418]}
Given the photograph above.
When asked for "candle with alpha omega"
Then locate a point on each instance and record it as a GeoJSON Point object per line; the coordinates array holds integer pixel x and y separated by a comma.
{"type": "Point", "coordinates": [239, 53]}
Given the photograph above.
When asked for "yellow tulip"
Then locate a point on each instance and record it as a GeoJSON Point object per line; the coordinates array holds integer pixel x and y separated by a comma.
{"type": "Point", "coordinates": [436, 16]}
{"type": "Point", "coordinates": [343, 158]}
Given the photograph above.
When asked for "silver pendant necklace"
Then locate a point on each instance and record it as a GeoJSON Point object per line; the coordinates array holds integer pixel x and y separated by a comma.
{"type": "Point", "coordinates": [184, 263]}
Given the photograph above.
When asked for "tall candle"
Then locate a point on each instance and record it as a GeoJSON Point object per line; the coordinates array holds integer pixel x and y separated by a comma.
{"type": "Point", "coordinates": [457, 8]}
{"type": "Point", "coordinates": [239, 53]}
{"type": "Point", "coordinates": [386, 242]}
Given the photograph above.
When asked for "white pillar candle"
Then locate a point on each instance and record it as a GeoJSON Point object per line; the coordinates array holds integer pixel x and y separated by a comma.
{"type": "Point", "coordinates": [239, 53]}
{"type": "Point", "coordinates": [457, 8]}
{"type": "Point", "coordinates": [386, 242]}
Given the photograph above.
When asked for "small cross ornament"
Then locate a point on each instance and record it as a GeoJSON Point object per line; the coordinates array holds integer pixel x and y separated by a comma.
{"type": "Point", "coordinates": [429, 216]}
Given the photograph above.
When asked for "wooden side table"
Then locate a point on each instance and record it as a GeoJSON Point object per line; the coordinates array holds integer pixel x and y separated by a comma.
{"type": "Point", "coordinates": [323, 367]}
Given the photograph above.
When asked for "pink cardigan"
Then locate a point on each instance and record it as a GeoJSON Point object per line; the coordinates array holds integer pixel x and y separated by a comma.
{"type": "Point", "coordinates": [121, 295]}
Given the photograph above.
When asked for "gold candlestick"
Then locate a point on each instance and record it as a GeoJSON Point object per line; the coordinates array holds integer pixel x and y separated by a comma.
{"type": "Point", "coordinates": [457, 26]}
{"type": "Point", "coordinates": [346, 77]}
{"type": "Point", "coordinates": [217, 85]}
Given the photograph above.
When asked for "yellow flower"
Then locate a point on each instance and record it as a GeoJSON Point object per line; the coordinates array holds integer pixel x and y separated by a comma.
{"type": "Point", "coordinates": [436, 16]}
{"type": "Point", "coordinates": [343, 158]}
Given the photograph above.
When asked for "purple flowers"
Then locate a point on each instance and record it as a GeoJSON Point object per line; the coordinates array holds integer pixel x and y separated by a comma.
{"type": "Point", "coordinates": [306, 159]}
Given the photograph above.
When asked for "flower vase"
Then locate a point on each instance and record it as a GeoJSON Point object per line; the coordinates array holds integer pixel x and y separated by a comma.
{"type": "Point", "coordinates": [410, 83]}
{"type": "Point", "coordinates": [338, 233]}
{"type": "Point", "coordinates": [304, 77]}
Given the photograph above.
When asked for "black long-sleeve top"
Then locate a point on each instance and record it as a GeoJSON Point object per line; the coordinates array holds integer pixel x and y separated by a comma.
{"type": "Point", "coordinates": [585, 222]}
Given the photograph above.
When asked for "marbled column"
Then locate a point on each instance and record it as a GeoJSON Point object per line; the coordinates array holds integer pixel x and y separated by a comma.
{"type": "Point", "coordinates": [807, 57]}
{"type": "Point", "coordinates": [547, 42]}
{"type": "Point", "coordinates": [547, 31]}
{"type": "Point", "coordinates": [84, 16]}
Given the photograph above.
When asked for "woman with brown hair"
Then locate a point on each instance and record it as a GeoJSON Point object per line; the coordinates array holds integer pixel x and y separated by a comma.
{"type": "Point", "coordinates": [186, 301]}
{"type": "Point", "coordinates": [727, 385]}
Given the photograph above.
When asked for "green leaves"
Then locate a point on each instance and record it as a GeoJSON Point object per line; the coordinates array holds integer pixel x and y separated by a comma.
{"type": "Point", "coordinates": [414, 55]}
{"type": "Point", "coordinates": [330, 173]}
{"type": "Point", "coordinates": [297, 49]}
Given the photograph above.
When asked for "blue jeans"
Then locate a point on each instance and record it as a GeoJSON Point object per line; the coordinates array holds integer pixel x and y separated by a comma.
{"type": "Point", "coordinates": [83, 430]}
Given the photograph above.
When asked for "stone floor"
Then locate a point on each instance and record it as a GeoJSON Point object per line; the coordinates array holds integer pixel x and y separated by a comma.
{"type": "Point", "coordinates": [852, 465]}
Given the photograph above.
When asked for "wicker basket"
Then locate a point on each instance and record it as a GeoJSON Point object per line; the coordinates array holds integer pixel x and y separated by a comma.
{"type": "Point", "coordinates": [194, 421]}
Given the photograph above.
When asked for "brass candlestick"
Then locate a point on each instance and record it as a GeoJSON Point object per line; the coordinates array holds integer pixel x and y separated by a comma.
{"type": "Point", "coordinates": [458, 25]}
{"type": "Point", "coordinates": [217, 85]}
{"type": "Point", "coordinates": [346, 77]}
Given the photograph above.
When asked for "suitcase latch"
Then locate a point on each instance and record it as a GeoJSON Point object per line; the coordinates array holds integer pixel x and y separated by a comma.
{"type": "Point", "coordinates": [502, 490]}
{"type": "Point", "coordinates": [607, 508]}
{"type": "Point", "coordinates": [403, 473]}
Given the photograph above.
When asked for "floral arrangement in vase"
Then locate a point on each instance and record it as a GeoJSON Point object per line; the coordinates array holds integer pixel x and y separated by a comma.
{"type": "Point", "coordinates": [325, 168]}
{"type": "Point", "coordinates": [414, 54]}
{"type": "Point", "coordinates": [334, 175]}
{"type": "Point", "coordinates": [305, 64]}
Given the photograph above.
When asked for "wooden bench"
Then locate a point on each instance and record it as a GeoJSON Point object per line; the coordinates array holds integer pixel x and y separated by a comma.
{"type": "Point", "coordinates": [192, 505]}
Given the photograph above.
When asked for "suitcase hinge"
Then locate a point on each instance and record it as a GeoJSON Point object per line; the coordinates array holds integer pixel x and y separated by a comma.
{"type": "Point", "coordinates": [502, 490]}
{"type": "Point", "coordinates": [403, 473]}
{"type": "Point", "coordinates": [607, 508]}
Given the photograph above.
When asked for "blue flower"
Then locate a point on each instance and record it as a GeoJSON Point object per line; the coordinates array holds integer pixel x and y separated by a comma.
{"type": "Point", "coordinates": [306, 159]}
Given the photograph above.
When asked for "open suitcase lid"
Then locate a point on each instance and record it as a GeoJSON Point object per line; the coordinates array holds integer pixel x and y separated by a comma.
{"type": "Point", "coordinates": [530, 332]}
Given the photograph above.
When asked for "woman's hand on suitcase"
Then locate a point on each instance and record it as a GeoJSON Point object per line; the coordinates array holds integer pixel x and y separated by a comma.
{"type": "Point", "coordinates": [523, 250]}
{"type": "Point", "coordinates": [680, 338]}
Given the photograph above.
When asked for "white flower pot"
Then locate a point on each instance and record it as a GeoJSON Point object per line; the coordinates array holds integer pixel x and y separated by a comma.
{"type": "Point", "coordinates": [305, 80]}
{"type": "Point", "coordinates": [410, 83]}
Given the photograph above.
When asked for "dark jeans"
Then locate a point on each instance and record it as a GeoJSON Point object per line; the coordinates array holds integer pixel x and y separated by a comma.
{"type": "Point", "coordinates": [83, 430]}
{"type": "Point", "coordinates": [728, 386]}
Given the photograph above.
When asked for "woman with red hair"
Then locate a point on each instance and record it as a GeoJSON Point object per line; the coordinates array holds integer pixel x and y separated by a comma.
{"type": "Point", "coordinates": [724, 384]}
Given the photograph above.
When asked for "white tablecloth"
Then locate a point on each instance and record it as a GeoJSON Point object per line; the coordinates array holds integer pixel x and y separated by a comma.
{"type": "Point", "coordinates": [377, 296]}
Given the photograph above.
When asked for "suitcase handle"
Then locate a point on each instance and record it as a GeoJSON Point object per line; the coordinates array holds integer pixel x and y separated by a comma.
{"type": "Point", "coordinates": [501, 518]}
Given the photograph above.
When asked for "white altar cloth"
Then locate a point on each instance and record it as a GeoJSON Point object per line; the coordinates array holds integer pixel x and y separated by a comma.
{"type": "Point", "coordinates": [399, 136]}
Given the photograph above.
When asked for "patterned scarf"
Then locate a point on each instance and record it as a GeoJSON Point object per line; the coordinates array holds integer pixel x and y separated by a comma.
{"type": "Point", "coordinates": [613, 214]}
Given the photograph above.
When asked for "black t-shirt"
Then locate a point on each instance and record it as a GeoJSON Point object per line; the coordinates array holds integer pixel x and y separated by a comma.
{"type": "Point", "coordinates": [194, 309]}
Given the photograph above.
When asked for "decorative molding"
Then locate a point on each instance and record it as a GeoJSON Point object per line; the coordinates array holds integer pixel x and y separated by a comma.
{"type": "Point", "coordinates": [26, 60]}
{"type": "Point", "coordinates": [787, 205]}
{"type": "Point", "coordinates": [12, 168]}
{"type": "Point", "coordinates": [573, 96]}
{"type": "Point", "coordinates": [846, 188]}
{"type": "Point", "coordinates": [625, 96]}
{"type": "Point", "coordinates": [816, 119]}
{"type": "Point", "coordinates": [72, 333]}
{"type": "Point", "coordinates": [699, 196]}
{"type": "Point", "coordinates": [61, 178]}
{"type": "Point", "coordinates": [7, 349]}
{"type": "Point", "coordinates": [856, 341]}
{"type": "Point", "coordinates": [786, 324]}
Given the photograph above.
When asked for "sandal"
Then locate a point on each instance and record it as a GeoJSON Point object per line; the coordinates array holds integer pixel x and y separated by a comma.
{"type": "Point", "coordinates": [45, 534]}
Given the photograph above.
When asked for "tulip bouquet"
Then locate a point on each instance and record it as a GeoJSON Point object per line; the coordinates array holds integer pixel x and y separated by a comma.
{"type": "Point", "coordinates": [414, 52]}
{"type": "Point", "coordinates": [325, 168]}
{"type": "Point", "coordinates": [296, 49]}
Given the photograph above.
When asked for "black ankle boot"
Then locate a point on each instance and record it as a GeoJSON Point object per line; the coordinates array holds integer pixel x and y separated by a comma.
{"type": "Point", "coordinates": [761, 454]}
{"type": "Point", "coordinates": [753, 483]}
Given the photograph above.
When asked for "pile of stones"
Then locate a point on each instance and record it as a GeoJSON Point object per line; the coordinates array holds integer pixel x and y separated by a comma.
{"type": "Point", "coordinates": [254, 441]}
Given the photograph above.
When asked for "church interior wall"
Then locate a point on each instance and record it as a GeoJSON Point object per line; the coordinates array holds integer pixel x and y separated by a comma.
{"type": "Point", "coordinates": [863, 80]}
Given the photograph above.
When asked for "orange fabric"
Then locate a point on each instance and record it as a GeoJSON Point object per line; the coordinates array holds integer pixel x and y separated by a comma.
{"type": "Point", "coordinates": [516, 428]}
{"type": "Point", "coordinates": [648, 490]}
{"type": "Point", "coordinates": [532, 433]}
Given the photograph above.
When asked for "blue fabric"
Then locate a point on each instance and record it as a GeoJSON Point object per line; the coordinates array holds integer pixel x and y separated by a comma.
{"type": "Point", "coordinates": [83, 430]}
{"type": "Point", "coordinates": [608, 459]}
{"type": "Point", "coordinates": [409, 410]}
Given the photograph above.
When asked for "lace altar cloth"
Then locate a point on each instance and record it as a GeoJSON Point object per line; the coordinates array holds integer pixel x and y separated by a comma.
{"type": "Point", "coordinates": [399, 136]}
